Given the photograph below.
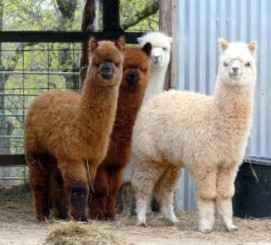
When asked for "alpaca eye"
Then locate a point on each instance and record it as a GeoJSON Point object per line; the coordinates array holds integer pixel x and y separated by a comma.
{"type": "Point", "coordinates": [247, 64]}
{"type": "Point", "coordinates": [225, 64]}
{"type": "Point", "coordinates": [117, 64]}
{"type": "Point", "coordinates": [165, 49]}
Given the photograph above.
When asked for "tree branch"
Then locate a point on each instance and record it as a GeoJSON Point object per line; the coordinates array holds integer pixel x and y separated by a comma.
{"type": "Point", "coordinates": [150, 9]}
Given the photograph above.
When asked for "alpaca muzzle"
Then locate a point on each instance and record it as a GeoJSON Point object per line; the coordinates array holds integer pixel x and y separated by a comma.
{"type": "Point", "coordinates": [107, 70]}
{"type": "Point", "coordinates": [132, 77]}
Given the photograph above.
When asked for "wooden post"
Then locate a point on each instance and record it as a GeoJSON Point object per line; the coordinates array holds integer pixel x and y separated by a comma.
{"type": "Point", "coordinates": [111, 15]}
{"type": "Point", "coordinates": [87, 24]}
{"type": "Point", "coordinates": [167, 23]}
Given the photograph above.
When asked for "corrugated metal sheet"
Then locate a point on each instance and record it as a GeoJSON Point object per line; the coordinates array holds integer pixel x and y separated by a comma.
{"type": "Point", "coordinates": [199, 24]}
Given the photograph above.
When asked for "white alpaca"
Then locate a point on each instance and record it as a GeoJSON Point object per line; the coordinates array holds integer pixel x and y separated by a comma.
{"type": "Point", "coordinates": [160, 56]}
{"type": "Point", "coordinates": [205, 134]}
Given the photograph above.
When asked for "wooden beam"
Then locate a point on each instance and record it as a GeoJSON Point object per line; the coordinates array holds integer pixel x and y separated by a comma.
{"type": "Point", "coordinates": [64, 37]}
{"type": "Point", "coordinates": [167, 22]}
{"type": "Point", "coordinates": [12, 160]}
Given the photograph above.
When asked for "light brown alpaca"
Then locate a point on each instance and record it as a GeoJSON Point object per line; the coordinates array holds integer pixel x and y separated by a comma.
{"type": "Point", "coordinates": [75, 130]}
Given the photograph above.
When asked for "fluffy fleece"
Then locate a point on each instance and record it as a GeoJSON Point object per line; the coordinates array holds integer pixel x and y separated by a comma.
{"type": "Point", "coordinates": [72, 132]}
{"type": "Point", "coordinates": [205, 134]}
{"type": "Point", "coordinates": [136, 73]}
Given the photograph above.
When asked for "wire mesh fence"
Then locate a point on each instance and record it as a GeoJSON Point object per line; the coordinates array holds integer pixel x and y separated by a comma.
{"type": "Point", "coordinates": [28, 69]}
{"type": "Point", "coordinates": [35, 70]}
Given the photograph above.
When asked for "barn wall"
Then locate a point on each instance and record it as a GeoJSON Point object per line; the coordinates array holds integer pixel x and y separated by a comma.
{"type": "Point", "coordinates": [199, 24]}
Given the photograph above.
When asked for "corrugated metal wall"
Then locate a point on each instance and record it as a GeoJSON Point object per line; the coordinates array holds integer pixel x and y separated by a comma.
{"type": "Point", "coordinates": [199, 24]}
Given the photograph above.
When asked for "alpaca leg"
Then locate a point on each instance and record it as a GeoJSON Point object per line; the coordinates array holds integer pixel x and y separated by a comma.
{"type": "Point", "coordinates": [74, 174]}
{"type": "Point", "coordinates": [58, 195]}
{"type": "Point", "coordinates": [127, 198]}
{"type": "Point", "coordinates": [225, 192]}
{"type": "Point", "coordinates": [206, 194]}
{"type": "Point", "coordinates": [145, 176]}
{"type": "Point", "coordinates": [206, 210]}
{"type": "Point", "coordinates": [98, 199]}
{"type": "Point", "coordinates": [39, 181]}
{"type": "Point", "coordinates": [115, 180]}
{"type": "Point", "coordinates": [164, 192]}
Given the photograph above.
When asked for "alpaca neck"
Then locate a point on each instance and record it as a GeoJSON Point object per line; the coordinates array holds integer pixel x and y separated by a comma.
{"type": "Point", "coordinates": [234, 104]}
{"type": "Point", "coordinates": [156, 83]}
{"type": "Point", "coordinates": [97, 108]}
{"type": "Point", "coordinates": [128, 106]}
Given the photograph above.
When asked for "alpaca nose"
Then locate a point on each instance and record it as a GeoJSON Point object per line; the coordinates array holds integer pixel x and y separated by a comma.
{"type": "Point", "coordinates": [156, 58]}
{"type": "Point", "coordinates": [107, 70]}
{"type": "Point", "coordinates": [132, 77]}
{"type": "Point", "coordinates": [235, 69]}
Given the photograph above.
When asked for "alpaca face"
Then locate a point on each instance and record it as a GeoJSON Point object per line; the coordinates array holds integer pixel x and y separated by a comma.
{"type": "Point", "coordinates": [136, 68]}
{"type": "Point", "coordinates": [160, 54]}
{"type": "Point", "coordinates": [237, 63]}
{"type": "Point", "coordinates": [105, 62]}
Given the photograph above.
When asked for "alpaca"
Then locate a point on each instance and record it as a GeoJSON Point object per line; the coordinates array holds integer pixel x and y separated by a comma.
{"type": "Point", "coordinates": [205, 134]}
{"type": "Point", "coordinates": [160, 57]}
{"type": "Point", "coordinates": [136, 73]}
{"type": "Point", "coordinates": [74, 130]}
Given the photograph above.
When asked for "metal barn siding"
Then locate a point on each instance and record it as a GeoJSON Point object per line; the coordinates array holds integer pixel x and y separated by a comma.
{"type": "Point", "coordinates": [199, 25]}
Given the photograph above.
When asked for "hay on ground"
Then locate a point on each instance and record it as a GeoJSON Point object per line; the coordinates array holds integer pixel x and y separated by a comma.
{"type": "Point", "coordinates": [71, 233]}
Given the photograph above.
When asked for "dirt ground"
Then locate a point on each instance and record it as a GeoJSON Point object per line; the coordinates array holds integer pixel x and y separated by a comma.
{"type": "Point", "coordinates": [19, 227]}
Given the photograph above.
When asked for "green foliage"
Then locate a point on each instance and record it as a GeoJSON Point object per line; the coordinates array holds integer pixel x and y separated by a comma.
{"type": "Point", "coordinates": [131, 11]}
{"type": "Point", "coordinates": [36, 15]}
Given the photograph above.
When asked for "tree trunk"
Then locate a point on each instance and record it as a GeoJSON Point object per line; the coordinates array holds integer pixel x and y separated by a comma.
{"type": "Point", "coordinates": [111, 15]}
{"type": "Point", "coordinates": [88, 20]}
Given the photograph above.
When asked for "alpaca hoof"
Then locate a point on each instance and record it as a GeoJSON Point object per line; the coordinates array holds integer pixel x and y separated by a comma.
{"type": "Point", "coordinates": [173, 222]}
{"type": "Point", "coordinates": [205, 227]}
{"type": "Point", "coordinates": [232, 228]}
{"type": "Point", "coordinates": [98, 214]}
{"type": "Point", "coordinates": [80, 219]}
{"type": "Point", "coordinates": [42, 217]}
{"type": "Point", "coordinates": [62, 216]}
{"type": "Point", "coordinates": [206, 231]}
{"type": "Point", "coordinates": [142, 225]}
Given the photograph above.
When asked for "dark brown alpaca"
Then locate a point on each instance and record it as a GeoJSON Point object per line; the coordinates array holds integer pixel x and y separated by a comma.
{"type": "Point", "coordinates": [72, 132]}
{"type": "Point", "coordinates": [136, 73]}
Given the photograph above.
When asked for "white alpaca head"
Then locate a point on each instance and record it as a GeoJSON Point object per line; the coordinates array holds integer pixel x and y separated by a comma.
{"type": "Point", "coordinates": [237, 65]}
{"type": "Point", "coordinates": [160, 54]}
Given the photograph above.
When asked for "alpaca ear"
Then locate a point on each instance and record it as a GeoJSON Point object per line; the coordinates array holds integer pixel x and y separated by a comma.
{"type": "Point", "coordinates": [120, 43]}
{"type": "Point", "coordinates": [170, 39]}
{"type": "Point", "coordinates": [92, 44]}
{"type": "Point", "coordinates": [147, 48]}
{"type": "Point", "coordinates": [223, 44]}
{"type": "Point", "coordinates": [252, 47]}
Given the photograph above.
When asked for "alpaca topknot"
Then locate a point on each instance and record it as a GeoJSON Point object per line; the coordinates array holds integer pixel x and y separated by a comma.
{"type": "Point", "coordinates": [156, 38]}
